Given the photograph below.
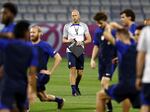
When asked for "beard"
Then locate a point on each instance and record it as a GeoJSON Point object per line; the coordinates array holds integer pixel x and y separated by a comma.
{"type": "Point", "coordinates": [5, 21]}
{"type": "Point", "coordinates": [34, 38]}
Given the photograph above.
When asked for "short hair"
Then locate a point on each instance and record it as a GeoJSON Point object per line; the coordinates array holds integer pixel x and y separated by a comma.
{"type": "Point", "coordinates": [11, 7]}
{"type": "Point", "coordinates": [123, 31]}
{"type": "Point", "coordinates": [21, 28]}
{"type": "Point", "coordinates": [76, 10]}
{"type": "Point", "coordinates": [38, 27]}
{"type": "Point", "coordinates": [140, 27]}
{"type": "Point", "coordinates": [129, 13]}
{"type": "Point", "coordinates": [100, 16]}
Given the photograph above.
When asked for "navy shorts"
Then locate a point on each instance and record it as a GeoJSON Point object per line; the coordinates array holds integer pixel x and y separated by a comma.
{"type": "Point", "coordinates": [74, 61]}
{"type": "Point", "coordinates": [145, 94]}
{"type": "Point", "coordinates": [12, 96]}
{"type": "Point", "coordinates": [105, 69]}
{"type": "Point", "coordinates": [42, 81]}
{"type": "Point", "coordinates": [120, 92]}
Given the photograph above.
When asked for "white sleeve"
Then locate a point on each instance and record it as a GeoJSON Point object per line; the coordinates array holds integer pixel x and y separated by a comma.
{"type": "Point", "coordinates": [142, 42]}
{"type": "Point", "coordinates": [65, 31]}
{"type": "Point", "coordinates": [86, 29]}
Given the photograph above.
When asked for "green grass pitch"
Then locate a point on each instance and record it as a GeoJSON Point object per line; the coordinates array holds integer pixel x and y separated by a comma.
{"type": "Point", "coordinates": [59, 86]}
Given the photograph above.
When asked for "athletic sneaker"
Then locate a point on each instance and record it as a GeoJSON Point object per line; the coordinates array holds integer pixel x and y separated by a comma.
{"type": "Point", "coordinates": [74, 94]}
{"type": "Point", "coordinates": [60, 104]}
{"type": "Point", "coordinates": [78, 91]}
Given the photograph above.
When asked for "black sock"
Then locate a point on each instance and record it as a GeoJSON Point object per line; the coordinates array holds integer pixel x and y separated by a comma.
{"type": "Point", "coordinates": [109, 105]}
{"type": "Point", "coordinates": [78, 80]}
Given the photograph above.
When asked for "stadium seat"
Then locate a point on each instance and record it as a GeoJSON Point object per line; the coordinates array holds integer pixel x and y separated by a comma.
{"type": "Point", "coordinates": [84, 2]}
{"type": "Point", "coordinates": [22, 8]}
{"type": "Point", "coordinates": [85, 18]}
{"type": "Point", "coordinates": [94, 9]}
{"type": "Point", "coordinates": [29, 17]}
{"type": "Point", "coordinates": [84, 9]}
{"type": "Point", "coordinates": [39, 17]}
{"type": "Point", "coordinates": [61, 18]}
{"type": "Point", "coordinates": [31, 9]}
{"type": "Point", "coordinates": [65, 2]}
{"type": "Point", "coordinates": [34, 2]}
{"type": "Point", "coordinates": [145, 2]}
{"type": "Point", "coordinates": [105, 2]}
{"type": "Point", "coordinates": [24, 2]}
{"type": "Point", "coordinates": [53, 2]}
{"type": "Point", "coordinates": [95, 3]}
{"type": "Point", "coordinates": [14, 1]}
{"type": "Point", "coordinates": [115, 2]}
{"type": "Point", "coordinates": [50, 18]}
{"type": "Point", "coordinates": [45, 2]}
{"type": "Point", "coordinates": [74, 2]}
{"type": "Point", "coordinates": [42, 9]}
{"type": "Point", "coordinates": [57, 9]}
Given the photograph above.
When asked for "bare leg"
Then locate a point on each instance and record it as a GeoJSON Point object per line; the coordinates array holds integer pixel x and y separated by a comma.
{"type": "Point", "coordinates": [145, 108]}
{"type": "Point", "coordinates": [78, 79]}
{"type": "Point", "coordinates": [126, 105]}
{"type": "Point", "coordinates": [72, 75]}
{"type": "Point", "coordinates": [73, 80]}
{"type": "Point", "coordinates": [101, 101]}
{"type": "Point", "coordinates": [5, 110]}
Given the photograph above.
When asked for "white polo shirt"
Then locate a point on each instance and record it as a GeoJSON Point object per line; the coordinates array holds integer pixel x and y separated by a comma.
{"type": "Point", "coordinates": [144, 45]}
{"type": "Point", "coordinates": [75, 31]}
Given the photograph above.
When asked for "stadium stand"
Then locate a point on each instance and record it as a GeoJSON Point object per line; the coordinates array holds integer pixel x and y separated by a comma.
{"type": "Point", "coordinates": [58, 10]}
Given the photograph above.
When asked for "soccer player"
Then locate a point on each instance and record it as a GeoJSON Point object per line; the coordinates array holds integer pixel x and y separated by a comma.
{"type": "Point", "coordinates": [8, 13]}
{"type": "Point", "coordinates": [76, 31]}
{"type": "Point", "coordinates": [143, 68]}
{"type": "Point", "coordinates": [107, 53]}
{"type": "Point", "coordinates": [16, 63]}
{"type": "Point", "coordinates": [125, 88]}
{"type": "Point", "coordinates": [45, 51]}
{"type": "Point", "coordinates": [127, 17]}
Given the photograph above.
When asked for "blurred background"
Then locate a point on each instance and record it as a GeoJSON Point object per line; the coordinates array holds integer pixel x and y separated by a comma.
{"type": "Point", "coordinates": [51, 15]}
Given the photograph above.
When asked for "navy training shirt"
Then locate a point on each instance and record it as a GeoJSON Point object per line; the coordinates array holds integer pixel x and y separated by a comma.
{"type": "Point", "coordinates": [6, 29]}
{"type": "Point", "coordinates": [18, 56]}
{"type": "Point", "coordinates": [107, 51]}
{"type": "Point", "coordinates": [44, 52]}
{"type": "Point", "coordinates": [127, 62]}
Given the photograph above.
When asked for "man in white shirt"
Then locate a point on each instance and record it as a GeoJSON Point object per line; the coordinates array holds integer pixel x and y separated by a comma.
{"type": "Point", "coordinates": [76, 33]}
{"type": "Point", "coordinates": [143, 68]}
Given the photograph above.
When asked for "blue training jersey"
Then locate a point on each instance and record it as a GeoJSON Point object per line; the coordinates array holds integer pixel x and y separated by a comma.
{"type": "Point", "coordinates": [18, 56]}
{"type": "Point", "coordinates": [44, 52]}
{"type": "Point", "coordinates": [127, 62]}
{"type": "Point", "coordinates": [107, 51]}
{"type": "Point", "coordinates": [6, 29]}
{"type": "Point", "coordinates": [132, 28]}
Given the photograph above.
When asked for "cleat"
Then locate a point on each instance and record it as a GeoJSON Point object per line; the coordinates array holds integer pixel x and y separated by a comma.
{"type": "Point", "coordinates": [60, 105]}
{"type": "Point", "coordinates": [78, 92]}
{"type": "Point", "coordinates": [74, 94]}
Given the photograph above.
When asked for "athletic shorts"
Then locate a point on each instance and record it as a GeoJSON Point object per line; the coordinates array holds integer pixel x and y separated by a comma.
{"type": "Point", "coordinates": [74, 61]}
{"type": "Point", "coordinates": [120, 92]}
{"type": "Point", "coordinates": [42, 81]}
{"type": "Point", "coordinates": [105, 69]}
{"type": "Point", "coordinates": [145, 94]}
